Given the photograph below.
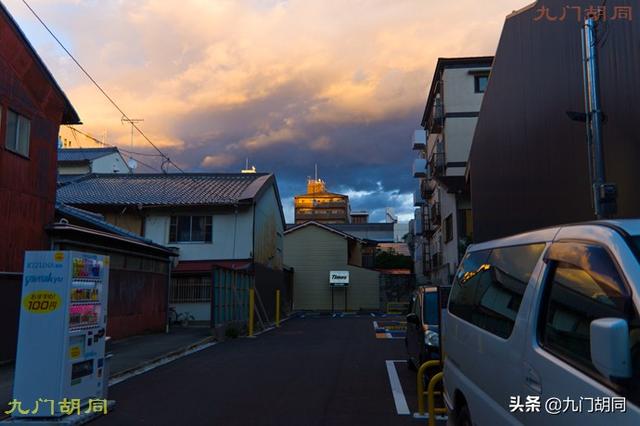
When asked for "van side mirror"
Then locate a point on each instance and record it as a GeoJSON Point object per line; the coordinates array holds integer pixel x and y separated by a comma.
{"type": "Point", "coordinates": [610, 351]}
{"type": "Point", "coordinates": [412, 318]}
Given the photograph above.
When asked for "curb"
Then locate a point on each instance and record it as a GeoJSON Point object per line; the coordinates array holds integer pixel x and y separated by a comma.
{"type": "Point", "coordinates": [142, 368]}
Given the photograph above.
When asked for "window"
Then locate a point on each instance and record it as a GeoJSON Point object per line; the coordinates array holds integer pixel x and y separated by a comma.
{"type": "Point", "coordinates": [448, 228]}
{"type": "Point", "coordinates": [190, 229]}
{"type": "Point", "coordinates": [18, 133]}
{"type": "Point", "coordinates": [480, 83]}
{"type": "Point", "coordinates": [584, 285]}
{"type": "Point", "coordinates": [489, 286]}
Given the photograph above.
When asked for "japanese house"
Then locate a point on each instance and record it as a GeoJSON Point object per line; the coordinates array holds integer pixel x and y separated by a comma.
{"type": "Point", "coordinates": [217, 220]}
{"type": "Point", "coordinates": [32, 108]}
{"type": "Point", "coordinates": [81, 161]}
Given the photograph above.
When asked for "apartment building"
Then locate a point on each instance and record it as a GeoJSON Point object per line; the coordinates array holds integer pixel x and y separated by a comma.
{"type": "Point", "coordinates": [443, 222]}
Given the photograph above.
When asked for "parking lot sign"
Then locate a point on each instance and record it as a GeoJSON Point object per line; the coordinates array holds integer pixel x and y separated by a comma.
{"type": "Point", "coordinates": [339, 278]}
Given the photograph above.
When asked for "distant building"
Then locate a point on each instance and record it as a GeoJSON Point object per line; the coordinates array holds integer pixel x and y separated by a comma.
{"type": "Point", "coordinates": [313, 250]}
{"type": "Point", "coordinates": [360, 217]}
{"type": "Point", "coordinates": [321, 206]}
{"type": "Point", "coordinates": [81, 161]}
{"type": "Point", "coordinates": [443, 224]}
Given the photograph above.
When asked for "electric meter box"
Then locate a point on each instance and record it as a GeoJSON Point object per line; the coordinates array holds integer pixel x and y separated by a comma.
{"type": "Point", "coordinates": [61, 337]}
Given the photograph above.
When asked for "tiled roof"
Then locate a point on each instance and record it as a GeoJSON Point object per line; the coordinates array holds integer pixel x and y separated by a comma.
{"type": "Point", "coordinates": [83, 154]}
{"type": "Point", "coordinates": [65, 179]}
{"type": "Point", "coordinates": [163, 189]}
{"type": "Point", "coordinates": [97, 221]}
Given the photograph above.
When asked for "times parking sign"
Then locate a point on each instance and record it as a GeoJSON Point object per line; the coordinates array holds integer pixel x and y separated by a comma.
{"type": "Point", "coordinates": [339, 278]}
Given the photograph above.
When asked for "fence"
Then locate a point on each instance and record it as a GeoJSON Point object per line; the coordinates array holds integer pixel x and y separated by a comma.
{"type": "Point", "coordinates": [230, 302]}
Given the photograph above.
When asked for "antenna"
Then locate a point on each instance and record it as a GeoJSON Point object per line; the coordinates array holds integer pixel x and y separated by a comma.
{"type": "Point", "coordinates": [316, 171]}
{"type": "Point", "coordinates": [131, 121]}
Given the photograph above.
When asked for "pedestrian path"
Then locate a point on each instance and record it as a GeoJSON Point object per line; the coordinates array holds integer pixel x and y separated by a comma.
{"type": "Point", "coordinates": [129, 355]}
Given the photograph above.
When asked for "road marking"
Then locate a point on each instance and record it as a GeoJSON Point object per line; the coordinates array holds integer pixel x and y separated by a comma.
{"type": "Point", "coordinates": [396, 389]}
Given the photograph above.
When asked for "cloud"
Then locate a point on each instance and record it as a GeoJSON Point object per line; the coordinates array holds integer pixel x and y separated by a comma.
{"type": "Point", "coordinates": [217, 161]}
{"type": "Point", "coordinates": [286, 83]}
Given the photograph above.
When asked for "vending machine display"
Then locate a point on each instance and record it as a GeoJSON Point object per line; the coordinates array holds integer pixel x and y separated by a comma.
{"type": "Point", "coordinates": [63, 319]}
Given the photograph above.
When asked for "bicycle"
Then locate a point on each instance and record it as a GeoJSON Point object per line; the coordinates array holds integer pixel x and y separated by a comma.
{"type": "Point", "coordinates": [182, 318]}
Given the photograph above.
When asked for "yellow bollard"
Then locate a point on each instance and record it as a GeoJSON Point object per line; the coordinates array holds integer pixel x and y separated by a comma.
{"type": "Point", "coordinates": [431, 401]}
{"type": "Point", "coordinates": [421, 372]}
{"type": "Point", "coordinates": [277, 308]}
{"type": "Point", "coordinates": [251, 308]}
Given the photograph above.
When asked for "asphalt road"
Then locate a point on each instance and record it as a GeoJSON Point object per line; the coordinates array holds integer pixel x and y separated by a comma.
{"type": "Point", "coordinates": [311, 371]}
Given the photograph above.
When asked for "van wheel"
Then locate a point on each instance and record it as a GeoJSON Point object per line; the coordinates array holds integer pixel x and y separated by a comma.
{"type": "Point", "coordinates": [463, 417]}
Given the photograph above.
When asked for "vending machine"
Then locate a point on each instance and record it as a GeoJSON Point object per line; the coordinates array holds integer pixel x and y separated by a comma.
{"type": "Point", "coordinates": [61, 337]}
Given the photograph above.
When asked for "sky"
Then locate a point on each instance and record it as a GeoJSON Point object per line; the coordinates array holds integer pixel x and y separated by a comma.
{"type": "Point", "coordinates": [285, 83]}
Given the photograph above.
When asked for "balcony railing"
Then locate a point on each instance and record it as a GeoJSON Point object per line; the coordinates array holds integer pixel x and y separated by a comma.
{"type": "Point", "coordinates": [435, 214]}
{"type": "Point", "coordinates": [437, 163]}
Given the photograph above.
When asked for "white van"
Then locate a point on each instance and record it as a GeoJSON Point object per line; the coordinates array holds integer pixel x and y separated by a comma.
{"type": "Point", "coordinates": [542, 328]}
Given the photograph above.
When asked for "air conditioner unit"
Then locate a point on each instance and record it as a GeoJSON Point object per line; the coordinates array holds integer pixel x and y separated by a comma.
{"type": "Point", "coordinates": [419, 141]}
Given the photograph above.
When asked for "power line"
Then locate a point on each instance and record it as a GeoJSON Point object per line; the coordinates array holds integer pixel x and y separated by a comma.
{"type": "Point", "coordinates": [128, 153]}
{"type": "Point", "coordinates": [166, 159]}
{"type": "Point", "coordinates": [109, 145]}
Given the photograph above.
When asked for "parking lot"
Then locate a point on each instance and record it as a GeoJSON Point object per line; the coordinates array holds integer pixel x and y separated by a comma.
{"type": "Point", "coordinates": [314, 370]}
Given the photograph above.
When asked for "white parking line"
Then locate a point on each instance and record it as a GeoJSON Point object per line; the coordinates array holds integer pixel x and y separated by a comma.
{"type": "Point", "coordinates": [396, 389]}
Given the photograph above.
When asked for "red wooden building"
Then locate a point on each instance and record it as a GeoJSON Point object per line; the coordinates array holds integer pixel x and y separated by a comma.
{"type": "Point", "coordinates": [32, 108]}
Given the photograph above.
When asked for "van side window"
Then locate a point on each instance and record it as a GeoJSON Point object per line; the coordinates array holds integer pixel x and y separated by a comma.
{"type": "Point", "coordinates": [585, 287]}
{"type": "Point", "coordinates": [489, 286]}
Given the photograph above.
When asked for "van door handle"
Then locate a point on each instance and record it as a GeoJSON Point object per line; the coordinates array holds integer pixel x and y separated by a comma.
{"type": "Point", "coordinates": [532, 380]}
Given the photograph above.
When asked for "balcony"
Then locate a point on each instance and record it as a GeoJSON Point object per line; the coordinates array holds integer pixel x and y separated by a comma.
{"type": "Point", "coordinates": [436, 121]}
{"type": "Point", "coordinates": [419, 141]}
{"type": "Point", "coordinates": [418, 221]}
{"type": "Point", "coordinates": [437, 163]}
{"type": "Point", "coordinates": [435, 214]}
{"type": "Point", "coordinates": [428, 187]}
{"type": "Point", "coordinates": [420, 168]}
{"type": "Point", "coordinates": [418, 198]}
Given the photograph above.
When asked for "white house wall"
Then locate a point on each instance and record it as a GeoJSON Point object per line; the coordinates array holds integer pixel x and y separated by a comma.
{"type": "Point", "coordinates": [232, 235]}
{"type": "Point", "coordinates": [112, 163]}
{"type": "Point", "coordinates": [459, 91]}
{"type": "Point", "coordinates": [458, 135]}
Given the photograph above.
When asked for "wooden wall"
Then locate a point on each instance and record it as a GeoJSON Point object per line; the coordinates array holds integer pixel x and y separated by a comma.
{"type": "Point", "coordinates": [27, 185]}
{"type": "Point", "coordinates": [528, 161]}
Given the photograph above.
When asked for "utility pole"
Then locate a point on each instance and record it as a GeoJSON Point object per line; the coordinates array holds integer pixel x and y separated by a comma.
{"type": "Point", "coordinates": [604, 194]}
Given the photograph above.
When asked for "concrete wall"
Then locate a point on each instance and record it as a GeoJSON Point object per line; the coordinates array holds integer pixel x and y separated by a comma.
{"type": "Point", "coordinates": [269, 225]}
{"type": "Point", "coordinates": [448, 206]}
{"type": "Point", "coordinates": [459, 90]}
{"type": "Point", "coordinates": [200, 311]}
{"type": "Point", "coordinates": [313, 252]}
{"type": "Point", "coordinates": [458, 135]}
{"type": "Point", "coordinates": [74, 170]}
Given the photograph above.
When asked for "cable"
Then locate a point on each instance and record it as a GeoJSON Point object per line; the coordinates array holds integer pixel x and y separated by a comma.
{"type": "Point", "coordinates": [129, 153]}
{"type": "Point", "coordinates": [166, 157]}
{"type": "Point", "coordinates": [109, 145]}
